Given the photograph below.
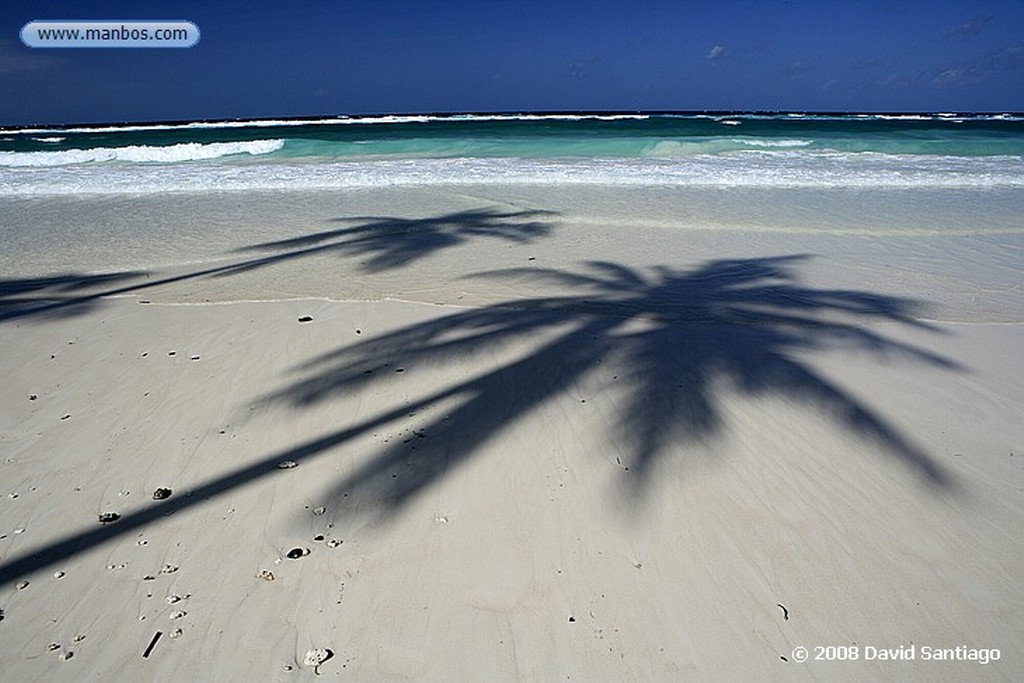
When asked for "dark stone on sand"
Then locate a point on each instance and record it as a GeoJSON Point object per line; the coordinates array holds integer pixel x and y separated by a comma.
{"type": "Point", "coordinates": [171, 353]}
{"type": "Point", "coordinates": [32, 397]}
{"type": "Point", "coordinates": [161, 494]}
{"type": "Point", "coordinates": [296, 553]}
{"type": "Point", "coordinates": [306, 319]}
{"type": "Point", "coordinates": [108, 517]}
{"type": "Point", "coordinates": [572, 620]}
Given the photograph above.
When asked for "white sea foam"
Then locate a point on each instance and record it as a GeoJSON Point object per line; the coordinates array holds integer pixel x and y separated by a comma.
{"type": "Point", "coordinates": [753, 142]}
{"type": "Point", "coordinates": [188, 151]}
{"type": "Point", "coordinates": [766, 168]}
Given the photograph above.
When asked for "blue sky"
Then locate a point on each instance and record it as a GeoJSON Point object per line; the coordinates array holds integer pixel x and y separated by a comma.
{"type": "Point", "coordinates": [270, 59]}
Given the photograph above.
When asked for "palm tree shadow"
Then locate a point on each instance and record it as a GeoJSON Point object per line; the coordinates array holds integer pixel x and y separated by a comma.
{"type": "Point", "coordinates": [680, 336]}
{"type": "Point", "coordinates": [390, 242]}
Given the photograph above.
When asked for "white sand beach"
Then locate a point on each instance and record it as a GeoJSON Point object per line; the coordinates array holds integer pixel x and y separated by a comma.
{"type": "Point", "coordinates": [512, 433]}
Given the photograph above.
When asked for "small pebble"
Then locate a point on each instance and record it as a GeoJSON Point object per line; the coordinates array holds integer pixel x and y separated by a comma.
{"type": "Point", "coordinates": [194, 358]}
{"type": "Point", "coordinates": [32, 397]}
{"type": "Point", "coordinates": [319, 511]}
{"type": "Point", "coordinates": [108, 517]}
{"type": "Point", "coordinates": [177, 614]}
{"type": "Point", "coordinates": [174, 598]}
{"type": "Point", "coordinates": [266, 575]}
{"type": "Point", "coordinates": [52, 647]}
{"type": "Point", "coordinates": [176, 633]}
{"type": "Point", "coordinates": [23, 585]}
{"type": "Point", "coordinates": [65, 417]}
{"type": "Point", "coordinates": [296, 553]}
{"type": "Point", "coordinates": [169, 569]}
{"type": "Point", "coordinates": [306, 319]}
{"type": "Point", "coordinates": [287, 464]}
{"type": "Point", "coordinates": [66, 655]}
{"type": "Point", "coordinates": [315, 657]}
{"type": "Point", "coordinates": [58, 575]}
{"type": "Point", "coordinates": [334, 543]}
{"type": "Point", "coordinates": [161, 494]}
{"type": "Point", "coordinates": [79, 638]}
{"type": "Point", "coordinates": [149, 577]}
{"type": "Point", "coordinates": [318, 538]}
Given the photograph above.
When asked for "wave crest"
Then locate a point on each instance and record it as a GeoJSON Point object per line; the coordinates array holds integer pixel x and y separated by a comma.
{"type": "Point", "coordinates": [186, 151]}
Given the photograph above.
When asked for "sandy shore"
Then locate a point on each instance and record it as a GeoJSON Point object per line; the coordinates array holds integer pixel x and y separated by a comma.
{"type": "Point", "coordinates": [484, 438]}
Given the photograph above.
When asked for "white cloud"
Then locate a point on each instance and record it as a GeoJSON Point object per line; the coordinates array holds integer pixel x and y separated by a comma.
{"type": "Point", "coordinates": [970, 28]}
{"type": "Point", "coordinates": [716, 54]}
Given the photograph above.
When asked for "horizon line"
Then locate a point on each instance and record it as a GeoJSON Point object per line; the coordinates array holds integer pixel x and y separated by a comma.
{"type": "Point", "coordinates": [451, 114]}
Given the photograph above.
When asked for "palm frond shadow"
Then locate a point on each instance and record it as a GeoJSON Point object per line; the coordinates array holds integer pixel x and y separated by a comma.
{"type": "Point", "coordinates": [58, 296]}
{"type": "Point", "coordinates": [680, 335]}
{"type": "Point", "coordinates": [391, 242]}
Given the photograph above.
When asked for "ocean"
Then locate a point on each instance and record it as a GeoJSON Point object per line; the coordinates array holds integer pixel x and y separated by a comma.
{"type": "Point", "coordinates": [714, 150]}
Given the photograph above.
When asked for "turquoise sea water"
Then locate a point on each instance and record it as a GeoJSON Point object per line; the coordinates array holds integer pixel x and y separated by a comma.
{"type": "Point", "coordinates": [780, 150]}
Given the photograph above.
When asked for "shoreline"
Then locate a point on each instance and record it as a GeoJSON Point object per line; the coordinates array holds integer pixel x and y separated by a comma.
{"type": "Point", "coordinates": [295, 244]}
